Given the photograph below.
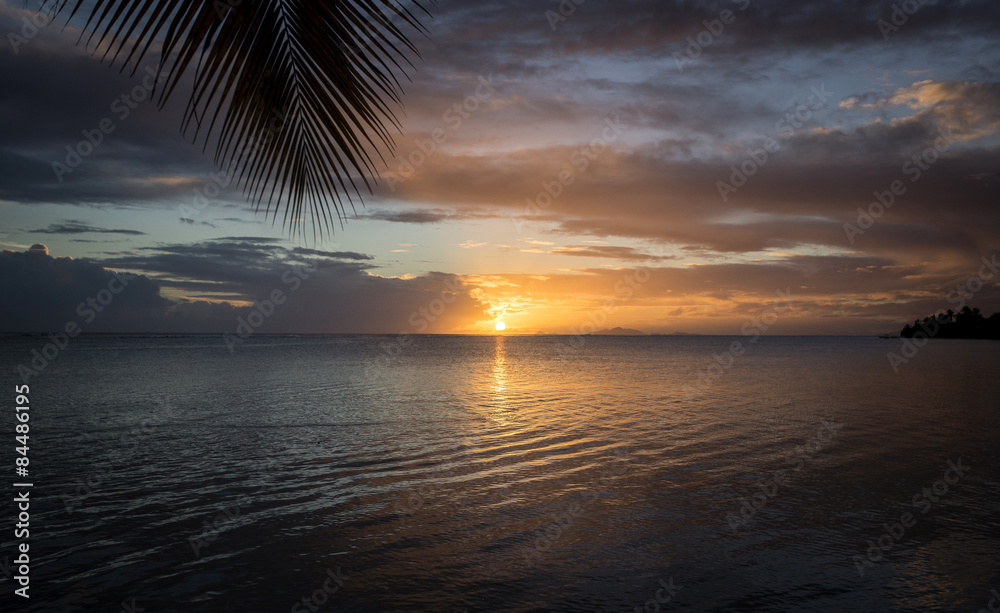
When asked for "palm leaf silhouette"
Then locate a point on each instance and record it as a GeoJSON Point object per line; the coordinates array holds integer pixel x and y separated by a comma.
{"type": "Point", "coordinates": [296, 95]}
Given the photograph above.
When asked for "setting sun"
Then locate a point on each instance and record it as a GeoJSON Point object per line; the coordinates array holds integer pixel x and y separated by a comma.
{"type": "Point", "coordinates": [500, 326]}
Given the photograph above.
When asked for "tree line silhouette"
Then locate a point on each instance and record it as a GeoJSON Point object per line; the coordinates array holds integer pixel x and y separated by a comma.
{"type": "Point", "coordinates": [967, 323]}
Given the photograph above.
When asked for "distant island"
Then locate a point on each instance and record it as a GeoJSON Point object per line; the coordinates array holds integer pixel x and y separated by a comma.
{"type": "Point", "coordinates": [967, 323]}
{"type": "Point", "coordinates": [619, 331]}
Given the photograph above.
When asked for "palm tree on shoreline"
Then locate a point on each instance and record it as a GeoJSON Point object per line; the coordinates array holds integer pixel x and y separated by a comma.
{"type": "Point", "coordinates": [297, 96]}
{"type": "Point", "coordinates": [966, 323]}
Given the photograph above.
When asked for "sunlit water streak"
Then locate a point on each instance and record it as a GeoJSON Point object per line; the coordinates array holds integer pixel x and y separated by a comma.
{"type": "Point", "coordinates": [502, 474]}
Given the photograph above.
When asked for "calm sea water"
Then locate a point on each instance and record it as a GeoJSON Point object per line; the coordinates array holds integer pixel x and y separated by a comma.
{"type": "Point", "coordinates": [509, 474]}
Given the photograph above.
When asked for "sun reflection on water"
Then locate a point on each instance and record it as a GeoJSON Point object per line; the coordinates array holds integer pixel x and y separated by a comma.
{"type": "Point", "coordinates": [500, 404]}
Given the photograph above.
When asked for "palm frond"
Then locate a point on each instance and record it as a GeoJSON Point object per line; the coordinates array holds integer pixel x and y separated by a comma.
{"type": "Point", "coordinates": [297, 95]}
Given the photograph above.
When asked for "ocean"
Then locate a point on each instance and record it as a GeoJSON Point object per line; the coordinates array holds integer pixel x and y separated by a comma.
{"type": "Point", "coordinates": [522, 474]}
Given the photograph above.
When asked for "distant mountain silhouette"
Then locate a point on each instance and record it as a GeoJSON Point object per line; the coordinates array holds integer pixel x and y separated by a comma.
{"type": "Point", "coordinates": [967, 323]}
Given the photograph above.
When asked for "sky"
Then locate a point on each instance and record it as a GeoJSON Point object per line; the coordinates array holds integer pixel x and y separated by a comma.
{"type": "Point", "coordinates": [667, 166]}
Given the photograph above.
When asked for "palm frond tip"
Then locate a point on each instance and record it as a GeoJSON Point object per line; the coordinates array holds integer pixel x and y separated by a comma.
{"type": "Point", "coordinates": [297, 95]}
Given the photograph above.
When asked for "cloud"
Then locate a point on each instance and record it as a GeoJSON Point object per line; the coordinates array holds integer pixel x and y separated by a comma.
{"type": "Point", "coordinates": [336, 293]}
{"type": "Point", "coordinates": [80, 227]}
{"type": "Point", "coordinates": [191, 222]}
{"type": "Point", "coordinates": [424, 216]}
{"type": "Point", "coordinates": [338, 255]}
{"type": "Point", "coordinates": [615, 253]}
{"type": "Point", "coordinates": [259, 240]}
{"type": "Point", "coordinates": [43, 293]}
{"type": "Point", "coordinates": [924, 94]}
{"type": "Point", "coordinates": [801, 197]}
{"type": "Point", "coordinates": [238, 220]}
{"type": "Point", "coordinates": [964, 111]}
{"type": "Point", "coordinates": [832, 295]}
{"type": "Point", "coordinates": [418, 217]}
{"type": "Point", "coordinates": [689, 126]}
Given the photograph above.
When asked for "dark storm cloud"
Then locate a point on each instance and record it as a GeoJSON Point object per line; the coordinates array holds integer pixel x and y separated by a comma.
{"type": "Point", "coordinates": [639, 26]}
{"type": "Point", "coordinates": [516, 38]}
{"type": "Point", "coordinates": [513, 38]}
{"type": "Point", "coordinates": [55, 95]}
{"type": "Point", "coordinates": [339, 295]}
{"type": "Point", "coordinates": [321, 294]}
{"type": "Point", "coordinates": [29, 180]}
{"type": "Point", "coordinates": [234, 264]}
{"type": "Point", "coordinates": [510, 37]}
{"type": "Point", "coordinates": [43, 293]}
{"type": "Point", "coordinates": [247, 266]}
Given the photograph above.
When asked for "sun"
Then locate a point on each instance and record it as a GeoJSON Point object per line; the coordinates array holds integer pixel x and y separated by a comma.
{"type": "Point", "coordinates": [500, 326]}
